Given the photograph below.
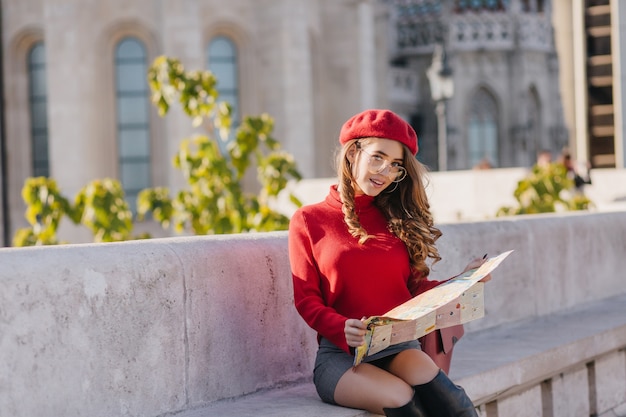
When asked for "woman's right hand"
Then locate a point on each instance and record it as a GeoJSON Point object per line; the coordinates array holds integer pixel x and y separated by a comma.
{"type": "Point", "coordinates": [355, 332]}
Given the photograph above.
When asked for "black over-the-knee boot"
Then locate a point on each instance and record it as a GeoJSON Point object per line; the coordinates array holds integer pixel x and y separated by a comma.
{"type": "Point", "coordinates": [442, 398]}
{"type": "Point", "coordinates": [410, 409]}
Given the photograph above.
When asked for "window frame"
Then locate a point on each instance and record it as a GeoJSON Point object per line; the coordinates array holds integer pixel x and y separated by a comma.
{"type": "Point", "coordinates": [39, 134]}
{"type": "Point", "coordinates": [483, 134]}
{"type": "Point", "coordinates": [137, 160]}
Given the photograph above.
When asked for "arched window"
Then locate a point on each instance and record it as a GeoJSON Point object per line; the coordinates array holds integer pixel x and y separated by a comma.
{"type": "Point", "coordinates": [483, 129]}
{"type": "Point", "coordinates": [535, 143]}
{"type": "Point", "coordinates": [222, 61]}
{"type": "Point", "coordinates": [38, 103]}
{"type": "Point", "coordinates": [133, 117]}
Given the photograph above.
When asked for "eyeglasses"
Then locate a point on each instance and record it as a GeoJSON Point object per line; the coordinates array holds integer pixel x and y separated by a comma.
{"type": "Point", "coordinates": [376, 164]}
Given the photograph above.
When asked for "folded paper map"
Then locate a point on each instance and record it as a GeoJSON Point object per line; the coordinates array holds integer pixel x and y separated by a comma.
{"type": "Point", "coordinates": [456, 301]}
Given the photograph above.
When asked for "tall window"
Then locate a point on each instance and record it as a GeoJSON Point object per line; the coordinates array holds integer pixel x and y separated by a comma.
{"type": "Point", "coordinates": [38, 103]}
{"type": "Point", "coordinates": [535, 143]}
{"type": "Point", "coordinates": [483, 129]}
{"type": "Point", "coordinates": [222, 61]}
{"type": "Point", "coordinates": [133, 117]}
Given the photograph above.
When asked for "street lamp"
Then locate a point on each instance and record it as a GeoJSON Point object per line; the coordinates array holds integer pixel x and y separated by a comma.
{"type": "Point", "coordinates": [441, 88]}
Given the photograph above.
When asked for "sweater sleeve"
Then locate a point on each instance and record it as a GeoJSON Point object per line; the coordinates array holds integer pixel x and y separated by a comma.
{"type": "Point", "coordinates": [308, 295]}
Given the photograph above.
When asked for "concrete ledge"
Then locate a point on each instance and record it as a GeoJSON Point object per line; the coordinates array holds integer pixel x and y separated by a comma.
{"type": "Point", "coordinates": [162, 326]}
{"type": "Point", "coordinates": [478, 194]}
{"type": "Point", "coordinates": [508, 359]}
{"type": "Point", "coordinates": [489, 364]}
{"type": "Point", "coordinates": [298, 399]}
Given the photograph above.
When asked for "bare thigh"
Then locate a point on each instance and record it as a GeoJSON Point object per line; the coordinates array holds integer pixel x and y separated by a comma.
{"type": "Point", "coordinates": [371, 388]}
{"type": "Point", "coordinates": [414, 367]}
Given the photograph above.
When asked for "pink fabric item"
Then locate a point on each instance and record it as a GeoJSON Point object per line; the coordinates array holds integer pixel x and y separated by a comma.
{"type": "Point", "coordinates": [383, 124]}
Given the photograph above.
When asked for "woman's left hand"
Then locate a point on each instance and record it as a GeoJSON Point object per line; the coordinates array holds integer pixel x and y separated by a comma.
{"type": "Point", "coordinates": [476, 263]}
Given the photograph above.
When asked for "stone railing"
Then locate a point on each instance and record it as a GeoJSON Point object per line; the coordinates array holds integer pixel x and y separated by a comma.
{"type": "Point", "coordinates": [205, 326]}
{"type": "Point", "coordinates": [489, 31]}
{"type": "Point", "coordinates": [473, 31]}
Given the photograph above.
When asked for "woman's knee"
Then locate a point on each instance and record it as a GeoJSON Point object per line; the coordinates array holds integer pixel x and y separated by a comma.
{"type": "Point", "coordinates": [414, 367]}
{"type": "Point", "coordinates": [373, 389]}
{"type": "Point", "coordinates": [399, 396]}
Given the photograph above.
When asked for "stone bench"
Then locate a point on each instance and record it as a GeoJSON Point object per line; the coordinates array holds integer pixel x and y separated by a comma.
{"type": "Point", "coordinates": [496, 366]}
{"type": "Point", "coordinates": [164, 327]}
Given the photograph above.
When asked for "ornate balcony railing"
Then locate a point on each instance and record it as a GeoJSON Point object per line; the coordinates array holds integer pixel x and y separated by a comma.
{"type": "Point", "coordinates": [485, 30]}
{"type": "Point", "coordinates": [418, 34]}
{"type": "Point", "coordinates": [535, 32]}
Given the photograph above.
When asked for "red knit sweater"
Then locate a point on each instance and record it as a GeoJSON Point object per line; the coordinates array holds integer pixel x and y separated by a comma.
{"type": "Point", "coordinates": [335, 277]}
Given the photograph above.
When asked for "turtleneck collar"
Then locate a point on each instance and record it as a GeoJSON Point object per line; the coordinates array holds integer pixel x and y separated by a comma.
{"type": "Point", "coordinates": [361, 202]}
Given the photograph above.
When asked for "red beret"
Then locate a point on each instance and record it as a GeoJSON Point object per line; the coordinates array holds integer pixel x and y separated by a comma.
{"type": "Point", "coordinates": [383, 124]}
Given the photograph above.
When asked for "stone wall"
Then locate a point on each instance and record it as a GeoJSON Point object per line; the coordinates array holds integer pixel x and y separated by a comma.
{"type": "Point", "coordinates": [153, 327]}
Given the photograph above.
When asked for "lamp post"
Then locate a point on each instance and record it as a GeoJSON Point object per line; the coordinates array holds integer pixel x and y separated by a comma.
{"type": "Point", "coordinates": [441, 88]}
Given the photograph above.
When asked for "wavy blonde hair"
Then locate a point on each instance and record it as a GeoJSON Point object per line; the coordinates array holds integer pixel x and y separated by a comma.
{"type": "Point", "coordinates": [406, 208]}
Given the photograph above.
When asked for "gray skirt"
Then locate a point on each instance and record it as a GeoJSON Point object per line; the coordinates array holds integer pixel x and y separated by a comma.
{"type": "Point", "coordinates": [332, 362]}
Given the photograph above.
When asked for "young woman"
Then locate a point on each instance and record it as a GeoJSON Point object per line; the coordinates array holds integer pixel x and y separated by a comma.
{"type": "Point", "coordinates": [361, 252]}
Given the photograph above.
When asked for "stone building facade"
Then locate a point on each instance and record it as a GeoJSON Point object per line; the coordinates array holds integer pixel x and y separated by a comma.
{"type": "Point", "coordinates": [506, 104]}
{"type": "Point", "coordinates": [76, 105]}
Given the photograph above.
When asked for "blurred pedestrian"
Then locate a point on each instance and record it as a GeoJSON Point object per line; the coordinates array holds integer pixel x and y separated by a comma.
{"type": "Point", "coordinates": [578, 174]}
{"type": "Point", "coordinates": [483, 164]}
{"type": "Point", "coordinates": [544, 158]}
